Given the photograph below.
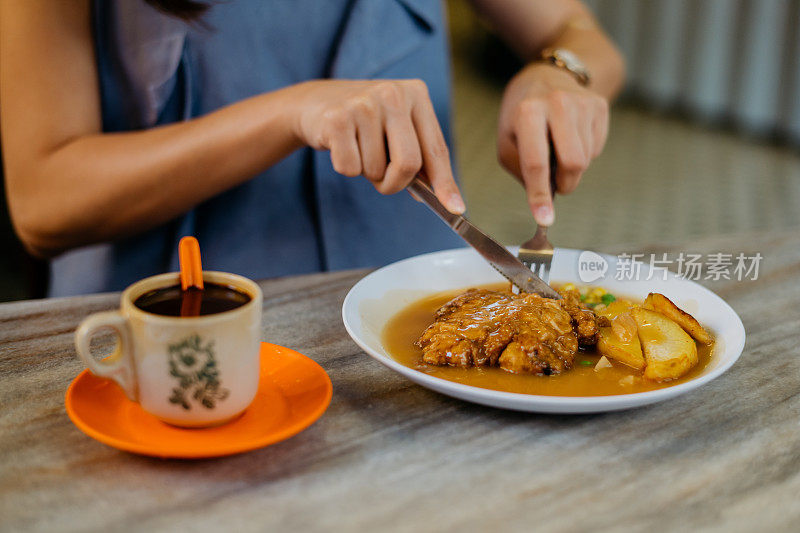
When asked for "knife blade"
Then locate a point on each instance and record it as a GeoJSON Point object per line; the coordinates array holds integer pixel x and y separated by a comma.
{"type": "Point", "coordinates": [495, 253]}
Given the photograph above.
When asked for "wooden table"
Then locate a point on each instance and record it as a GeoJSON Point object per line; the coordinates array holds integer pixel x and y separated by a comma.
{"type": "Point", "coordinates": [389, 455]}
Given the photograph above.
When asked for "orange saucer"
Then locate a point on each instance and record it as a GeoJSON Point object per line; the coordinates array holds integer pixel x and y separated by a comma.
{"type": "Point", "coordinates": [293, 392]}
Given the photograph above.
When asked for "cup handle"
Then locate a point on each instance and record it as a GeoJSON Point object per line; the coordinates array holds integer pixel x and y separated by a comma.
{"type": "Point", "coordinates": [119, 365]}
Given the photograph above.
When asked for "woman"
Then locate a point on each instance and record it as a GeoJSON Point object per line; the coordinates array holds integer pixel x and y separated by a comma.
{"type": "Point", "coordinates": [133, 123]}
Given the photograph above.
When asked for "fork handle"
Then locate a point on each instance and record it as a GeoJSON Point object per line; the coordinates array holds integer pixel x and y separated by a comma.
{"type": "Point", "coordinates": [553, 165]}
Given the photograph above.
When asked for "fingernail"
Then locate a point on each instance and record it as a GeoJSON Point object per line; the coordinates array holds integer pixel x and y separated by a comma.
{"type": "Point", "coordinates": [544, 215]}
{"type": "Point", "coordinates": [456, 204]}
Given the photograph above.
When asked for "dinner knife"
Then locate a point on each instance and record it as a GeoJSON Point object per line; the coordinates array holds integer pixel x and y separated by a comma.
{"type": "Point", "coordinates": [495, 253]}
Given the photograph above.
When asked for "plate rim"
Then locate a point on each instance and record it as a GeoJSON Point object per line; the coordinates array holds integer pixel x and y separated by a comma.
{"type": "Point", "coordinates": [545, 403]}
{"type": "Point", "coordinates": [222, 451]}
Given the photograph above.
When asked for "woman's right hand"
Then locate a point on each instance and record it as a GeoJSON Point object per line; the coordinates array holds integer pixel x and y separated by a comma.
{"type": "Point", "coordinates": [358, 121]}
{"type": "Point", "coordinates": [69, 184]}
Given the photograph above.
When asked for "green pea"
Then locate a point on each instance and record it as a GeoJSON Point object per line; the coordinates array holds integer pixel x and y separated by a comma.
{"type": "Point", "coordinates": [607, 298]}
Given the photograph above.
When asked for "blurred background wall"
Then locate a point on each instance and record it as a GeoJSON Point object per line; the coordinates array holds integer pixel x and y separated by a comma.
{"type": "Point", "coordinates": [732, 62]}
{"type": "Point", "coordinates": [703, 141]}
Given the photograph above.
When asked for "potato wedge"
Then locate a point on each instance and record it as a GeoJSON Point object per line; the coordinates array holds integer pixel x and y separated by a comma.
{"type": "Point", "coordinates": [624, 326]}
{"type": "Point", "coordinates": [669, 352]}
{"type": "Point", "coordinates": [661, 304]}
{"type": "Point", "coordinates": [614, 308]}
{"type": "Point", "coordinates": [614, 348]}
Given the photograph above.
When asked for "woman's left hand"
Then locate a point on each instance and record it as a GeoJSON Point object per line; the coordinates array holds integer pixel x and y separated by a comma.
{"type": "Point", "coordinates": [543, 99]}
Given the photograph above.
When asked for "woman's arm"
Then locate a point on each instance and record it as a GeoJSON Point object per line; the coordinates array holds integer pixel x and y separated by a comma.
{"type": "Point", "coordinates": [529, 26]}
{"type": "Point", "coordinates": [543, 101]}
{"type": "Point", "coordinates": [68, 184]}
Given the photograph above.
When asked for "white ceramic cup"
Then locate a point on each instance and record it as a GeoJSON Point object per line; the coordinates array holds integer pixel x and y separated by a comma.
{"type": "Point", "coordinates": [190, 372]}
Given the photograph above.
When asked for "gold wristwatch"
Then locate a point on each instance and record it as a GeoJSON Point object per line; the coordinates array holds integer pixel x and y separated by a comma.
{"type": "Point", "coordinates": [563, 58]}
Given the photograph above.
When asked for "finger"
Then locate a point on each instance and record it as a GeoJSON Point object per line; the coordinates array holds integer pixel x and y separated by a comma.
{"type": "Point", "coordinates": [405, 157]}
{"type": "Point", "coordinates": [371, 143]}
{"type": "Point", "coordinates": [586, 134]}
{"type": "Point", "coordinates": [565, 128]}
{"type": "Point", "coordinates": [531, 133]}
{"type": "Point", "coordinates": [508, 156]}
{"type": "Point", "coordinates": [599, 129]}
{"type": "Point", "coordinates": [345, 156]}
{"type": "Point", "coordinates": [436, 156]}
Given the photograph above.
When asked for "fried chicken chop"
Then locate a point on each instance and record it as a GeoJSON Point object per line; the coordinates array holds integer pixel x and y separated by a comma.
{"type": "Point", "coordinates": [520, 333]}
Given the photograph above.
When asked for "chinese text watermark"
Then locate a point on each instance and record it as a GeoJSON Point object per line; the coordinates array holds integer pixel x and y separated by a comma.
{"type": "Point", "coordinates": [714, 266]}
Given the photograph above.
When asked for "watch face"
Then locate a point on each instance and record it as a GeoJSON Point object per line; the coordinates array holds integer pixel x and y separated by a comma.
{"type": "Point", "coordinates": [569, 59]}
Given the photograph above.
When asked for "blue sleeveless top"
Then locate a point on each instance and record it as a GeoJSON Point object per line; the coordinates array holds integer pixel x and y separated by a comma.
{"type": "Point", "coordinates": [299, 215]}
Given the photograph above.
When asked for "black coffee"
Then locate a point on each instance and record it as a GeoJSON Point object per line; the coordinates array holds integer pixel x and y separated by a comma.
{"type": "Point", "coordinates": [214, 298]}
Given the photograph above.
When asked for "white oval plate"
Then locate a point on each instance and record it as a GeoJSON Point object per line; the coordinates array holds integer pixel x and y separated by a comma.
{"type": "Point", "coordinates": [380, 295]}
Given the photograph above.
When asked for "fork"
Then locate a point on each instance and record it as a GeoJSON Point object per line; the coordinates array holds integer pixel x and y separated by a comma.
{"type": "Point", "coordinates": [537, 252]}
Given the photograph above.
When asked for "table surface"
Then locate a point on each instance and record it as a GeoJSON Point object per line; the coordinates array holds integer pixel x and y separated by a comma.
{"type": "Point", "coordinates": [390, 455]}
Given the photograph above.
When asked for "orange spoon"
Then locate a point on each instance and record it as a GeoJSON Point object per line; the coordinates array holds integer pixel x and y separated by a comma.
{"type": "Point", "coordinates": [191, 276]}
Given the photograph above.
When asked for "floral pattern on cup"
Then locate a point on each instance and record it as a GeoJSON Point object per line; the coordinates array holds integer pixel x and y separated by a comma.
{"type": "Point", "coordinates": [193, 365]}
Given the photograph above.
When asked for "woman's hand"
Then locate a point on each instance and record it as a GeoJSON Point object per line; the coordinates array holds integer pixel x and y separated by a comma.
{"type": "Point", "coordinates": [358, 121]}
{"type": "Point", "coordinates": [544, 99]}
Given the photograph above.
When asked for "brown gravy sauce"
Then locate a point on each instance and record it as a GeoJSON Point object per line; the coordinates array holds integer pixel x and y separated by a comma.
{"type": "Point", "coordinates": [405, 327]}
